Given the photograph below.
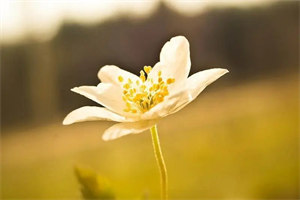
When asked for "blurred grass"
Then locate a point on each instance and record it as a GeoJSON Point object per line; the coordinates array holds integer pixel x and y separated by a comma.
{"type": "Point", "coordinates": [239, 142]}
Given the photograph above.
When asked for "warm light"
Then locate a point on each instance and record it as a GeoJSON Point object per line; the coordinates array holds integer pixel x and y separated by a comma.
{"type": "Point", "coordinates": [41, 19]}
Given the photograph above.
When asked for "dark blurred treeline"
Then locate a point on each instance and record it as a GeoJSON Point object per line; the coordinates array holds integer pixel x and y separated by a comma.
{"type": "Point", "coordinates": [36, 77]}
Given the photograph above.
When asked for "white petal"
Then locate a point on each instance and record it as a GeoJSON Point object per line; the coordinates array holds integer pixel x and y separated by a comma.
{"type": "Point", "coordinates": [163, 109]}
{"type": "Point", "coordinates": [196, 84]}
{"type": "Point", "coordinates": [92, 92]}
{"type": "Point", "coordinates": [121, 129]}
{"type": "Point", "coordinates": [105, 94]}
{"type": "Point", "coordinates": [91, 113]}
{"type": "Point", "coordinates": [198, 81]}
{"type": "Point", "coordinates": [174, 61]}
{"type": "Point", "coordinates": [111, 73]}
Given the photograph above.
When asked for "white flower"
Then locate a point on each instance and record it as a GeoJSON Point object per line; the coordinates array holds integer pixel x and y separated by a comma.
{"type": "Point", "coordinates": [139, 102]}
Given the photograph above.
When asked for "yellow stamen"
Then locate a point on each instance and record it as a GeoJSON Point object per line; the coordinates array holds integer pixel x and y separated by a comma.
{"type": "Point", "coordinates": [143, 87]}
{"type": "Point", "coordinates": [134, 111]}
{"type": "Point", "coordinates": [142, 76]}
{"type": "Point", "coordinates": [147, 69]}
{"type": "Point", "coordinates": [139, 98]}
{"type": "Point", "coordinates": [126, 86]}
{"type": "Point", "coordinates": [120, 78]}
{"type": "Point", "coordinates": [170, 80]}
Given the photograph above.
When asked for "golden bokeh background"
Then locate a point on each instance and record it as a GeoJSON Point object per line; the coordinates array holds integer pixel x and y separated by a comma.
{"type": "Point", "coordinates": [239, 139]}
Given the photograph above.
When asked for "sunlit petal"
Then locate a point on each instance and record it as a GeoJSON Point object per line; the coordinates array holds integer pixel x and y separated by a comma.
{"type": "Point", "coordinates": [111, 74]}
{"type": "Point", "coordinates": [91, 113]}
{"type": "Point", "coordinates": [122, 129]}
{"type": "Point", "coordinates": [174, 61]}
{"type": "Point", "coordinates": [164, 108]}
{"type": "Point", "coordinates": [107, 95]}
{"type": "Point", "coordinates": [196, 84]}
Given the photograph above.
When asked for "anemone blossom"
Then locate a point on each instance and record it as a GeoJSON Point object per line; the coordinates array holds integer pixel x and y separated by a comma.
{"type": "Point", "coordinates": [138, 102]}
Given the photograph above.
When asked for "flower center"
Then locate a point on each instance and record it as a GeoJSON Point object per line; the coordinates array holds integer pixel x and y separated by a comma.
{"type": "Point", "coordinates": [145, 93]}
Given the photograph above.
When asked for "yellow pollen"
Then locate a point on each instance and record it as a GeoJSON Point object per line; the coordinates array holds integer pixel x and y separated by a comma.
{"type": "Point", "coordinates": [142, 76]}
{"type": "Point", "coordinates": [126, 86]}
{"type": "Point", "coordinates": [143, 94]}
{"type": "Point", "coordinates": [147, 69]}
{"type": "Point", "coordinates": [134, 111]}
{"type": "Point", "coordinates": [120, 78]}
{"type": "Point", "coordinates": [170, 80]}
{"type": "Point", "coordinates": [143, 87]}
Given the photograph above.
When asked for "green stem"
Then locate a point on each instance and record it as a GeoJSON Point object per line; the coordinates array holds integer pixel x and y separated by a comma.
{"type": "Point", "coordinates": [160, 162]}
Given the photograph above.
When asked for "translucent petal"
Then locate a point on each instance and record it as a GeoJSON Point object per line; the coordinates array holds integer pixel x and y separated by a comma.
{"type": "Point", "coordinates": [195, 85]}
{"type": "Point", "coordinates": [174, 61]}
{"type": "Point", "coordinates": [163, 109]}
{"type": "Point", "coordinates": [105, 94]}
{"type": "Point", "coordinates": [91, 113]}
{"type": "Point", "coordinates": [111, 73]}
{"type": "Point", "coordinates": [125, 128]}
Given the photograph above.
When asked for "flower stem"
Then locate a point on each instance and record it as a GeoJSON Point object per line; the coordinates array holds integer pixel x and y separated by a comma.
{"type": "Point", "coordinates": [160, 162]}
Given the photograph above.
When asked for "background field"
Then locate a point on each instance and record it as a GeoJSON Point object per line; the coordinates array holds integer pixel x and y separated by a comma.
{"type": "Point", "coordinates": [237, 142]}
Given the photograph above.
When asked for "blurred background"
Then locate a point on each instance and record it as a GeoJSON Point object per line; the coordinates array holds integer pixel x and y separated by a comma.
{"type": "Point", "coordinates": [239, 139]}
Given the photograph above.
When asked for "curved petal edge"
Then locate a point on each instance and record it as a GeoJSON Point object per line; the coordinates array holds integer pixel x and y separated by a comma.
{"type": "Point", "coordinates": [91, 113]}
{"type": "Point", "coordinates": [195, 85]}
{"type": "Point", "coordinates": [126, 128]}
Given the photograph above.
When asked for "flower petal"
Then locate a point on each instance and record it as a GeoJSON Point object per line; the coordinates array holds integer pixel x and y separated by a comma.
{"type": "Point", "coordinates": [121, 129]}
{"type": "Point", "coordinates": [198, 81]}
{"type": "Point", "coordinates": [163, 109]}
{"type": "Point", "coordinates": [92, 92]}
{"type": "Point", "coordinates": [196, 84]}
{"type": "Point", "coordinates": [176, 101]}
{"type": "Point", "coordinates": [91, 113]}
{"type": "Point", "coordinates": [105, 94]}
{"type": "Point", "coordinates": [174, 61]}
{"type": "Point", "coordinates": [110, 74]}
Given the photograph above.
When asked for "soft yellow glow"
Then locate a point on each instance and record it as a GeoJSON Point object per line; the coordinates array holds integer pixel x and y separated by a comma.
{"type": "Point", "coordinates": [41, 19]}
{"type": "Point", "coordinates": [193, 7]}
